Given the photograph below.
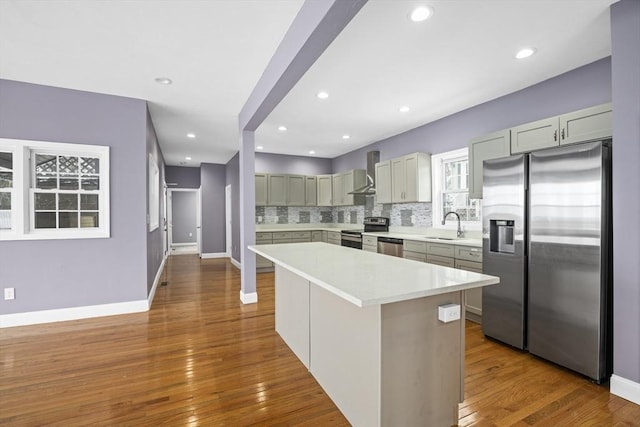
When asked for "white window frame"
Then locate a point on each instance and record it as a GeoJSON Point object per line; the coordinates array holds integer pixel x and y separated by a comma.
{"type": "Point", "coordinates": [23, 212]}
{"type": "Point", "coordinates": [437, 161]}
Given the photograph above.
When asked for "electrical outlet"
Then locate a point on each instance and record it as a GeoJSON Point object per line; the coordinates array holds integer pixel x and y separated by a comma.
{"type": "Point", "coordinates": [9, 293]}
{"type": "Point", "coordinates": [448, 313]}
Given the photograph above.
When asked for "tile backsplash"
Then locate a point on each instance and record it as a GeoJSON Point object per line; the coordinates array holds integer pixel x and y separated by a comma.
{"type": "Point", "coordinates": [401, 214]}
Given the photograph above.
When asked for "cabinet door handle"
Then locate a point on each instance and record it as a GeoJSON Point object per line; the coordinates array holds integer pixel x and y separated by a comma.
{"type": "Point", "coordinates": [555, 135]}
{"type": "Point", "coordinates": [562, 134]}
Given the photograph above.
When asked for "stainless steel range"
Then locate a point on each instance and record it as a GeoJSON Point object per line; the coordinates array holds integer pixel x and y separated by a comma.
{"type": "Point", "coordinates": [353, 238]}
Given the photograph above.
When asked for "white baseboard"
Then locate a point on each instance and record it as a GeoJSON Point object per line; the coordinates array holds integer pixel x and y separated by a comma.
{"type": "Point", "coordinates": [250, 298]}
{"type": "Point", "coordinates": [156, 282]}
{"type": "Point", "coordinates": [236, 263]}
{"type": "Point", "coordinates": [214, 255]}
{"type": "Point", "coordinates": [624, 388]}
{"type": "Point", "coordinates": [72, 313]}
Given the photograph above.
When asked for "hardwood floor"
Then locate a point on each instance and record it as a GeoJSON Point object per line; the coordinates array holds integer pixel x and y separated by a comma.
{"type": "Point", "coordinates": [200, 357]}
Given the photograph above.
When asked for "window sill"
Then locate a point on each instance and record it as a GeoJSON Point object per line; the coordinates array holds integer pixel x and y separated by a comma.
{"type": "Point", "coordinates": [9, 236]}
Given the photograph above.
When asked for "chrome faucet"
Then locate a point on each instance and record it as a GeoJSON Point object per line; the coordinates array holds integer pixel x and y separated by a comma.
{"type": "Point", "coordinates": [460, 233]}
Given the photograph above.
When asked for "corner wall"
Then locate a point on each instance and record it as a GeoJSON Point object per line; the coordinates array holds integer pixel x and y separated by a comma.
{"type": "Point", "coordinates": [62, 274]}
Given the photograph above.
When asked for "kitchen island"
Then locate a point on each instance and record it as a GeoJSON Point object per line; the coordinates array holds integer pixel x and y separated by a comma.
{"type": "Point", "coordinates": [366, 326]}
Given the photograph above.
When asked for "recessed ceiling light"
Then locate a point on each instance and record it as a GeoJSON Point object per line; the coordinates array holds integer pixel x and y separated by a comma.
{"type": "Point", "coordinates": [259, 147]}
{"type": "Point", "coordinates": [322, 95]}
{"type": "Point", "coordinates": [282, 128]}
{"type": "Point", "coordinates": [346, 136]}
{"type": "Point", "coordinates": [191, 135]}
{"type": "Point", "coordinates": [163, 80]}
{"type": "Point", "coordinates": [525, 53]}
{"type": "Point", "coordinates": [404, 109]}
{"type": "Point", "coordinates": [312, 152]}
{"type": "Point", "coordinates": [421, 13]}
{"type": "Point", "coordinates": [187, 158]}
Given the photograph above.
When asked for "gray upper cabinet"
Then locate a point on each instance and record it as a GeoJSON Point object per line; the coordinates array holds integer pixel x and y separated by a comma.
{"type": "Point", "coordinates": [487, 147]}
{"type": "Point", "coordinates": [325, 190]}
{"type": "Point", "coordinates": [383, 182]}
{"type": "Point", "coordinates": [311, 190]}
{"type": "Point", "coordinates": [411, 178]}
{"type": "Point", "coordinates": [277, 190]}
{"type": "Point", "coordinates": [262, 193]}
{"type": "Point", "coordinates": [296, 190]}
{"type": "Point", "coordinates": [587, 124]}
{"type": "Point", "coordinates": [534, 136]}
{"type": "Point", "coordinates": [344, 183]}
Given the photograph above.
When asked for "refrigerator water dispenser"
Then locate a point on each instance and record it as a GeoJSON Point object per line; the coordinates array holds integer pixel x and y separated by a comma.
{"type": "Point", "coordinates": [502, 236]}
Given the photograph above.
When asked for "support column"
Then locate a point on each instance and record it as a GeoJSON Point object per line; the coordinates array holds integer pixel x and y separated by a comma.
{"type": "Point", "coordinates": [248, 293]}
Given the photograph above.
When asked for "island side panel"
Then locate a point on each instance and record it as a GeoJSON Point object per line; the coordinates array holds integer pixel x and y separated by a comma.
{"type": "Point", "coordinates": [422, 363]}
{"type": "Point", "coordinates": [345, 355]}
{"type": "Point", "coordinates": [292, 311]}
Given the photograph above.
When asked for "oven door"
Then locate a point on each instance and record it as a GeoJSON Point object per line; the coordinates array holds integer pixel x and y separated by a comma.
{"type": "Point", "coordinates": [351, 240]}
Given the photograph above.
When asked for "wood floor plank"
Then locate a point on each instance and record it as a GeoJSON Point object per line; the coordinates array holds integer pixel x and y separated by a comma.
{"type": "Point", "coordinates": [200, 357]}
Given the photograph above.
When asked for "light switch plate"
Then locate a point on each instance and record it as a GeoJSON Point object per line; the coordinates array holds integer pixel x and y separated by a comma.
{"type": "Point", "coordinates": [9, 293]}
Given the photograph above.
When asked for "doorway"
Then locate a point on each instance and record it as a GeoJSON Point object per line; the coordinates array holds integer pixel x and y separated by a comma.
{"type": "Point", "coordinates": [183, 210]}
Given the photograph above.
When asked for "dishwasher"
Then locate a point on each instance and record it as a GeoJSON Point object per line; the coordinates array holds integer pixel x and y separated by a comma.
{"type": "Point", "coordinates": [390, 246]}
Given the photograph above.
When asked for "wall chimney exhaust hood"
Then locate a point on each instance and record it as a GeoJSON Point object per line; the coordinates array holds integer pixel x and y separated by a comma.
{"type": "Point", "coordinates": [369, 189]}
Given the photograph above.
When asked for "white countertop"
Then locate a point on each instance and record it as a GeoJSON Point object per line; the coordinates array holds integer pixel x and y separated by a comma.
{"type": "Point", "coordinates": [366, 278]}
{"type": "Point", "coordinates": [274, 229]}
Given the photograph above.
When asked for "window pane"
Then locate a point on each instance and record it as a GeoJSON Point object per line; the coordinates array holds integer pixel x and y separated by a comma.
{"type": "Point", "coordinates": [46, 164]}
{"type": "Point", "coordinates": [68, 202]}
{"type": "Point", "coordinates": [5, 201]}
{"type": "Point", "coordinates": [89, 219]}
{"type": "Point", "coordinates": [89, 202]}
{"type": "Point", "coordinates": [68, 183]}
{"type": "Point", "coordinates": [91, 183]}
{"type": "Point", "coordinates": [45, 220]}
{"type": "Point", "coordinates": [68, 219]}
{"type": "Point", "coordinates": [45, 202]}
{"type": "Point", "coordinates": [46, 183]}
{"type": "Point", "coordinates": [5, 220]}
{"type": "Point", "coordinates": [68, 165]}
{"type": "Point", "coordinates": [6, 179]}
{"type": "Point", "coordinates": [6, 162]}
{"type": "Point", "coordinates": [89, 165]}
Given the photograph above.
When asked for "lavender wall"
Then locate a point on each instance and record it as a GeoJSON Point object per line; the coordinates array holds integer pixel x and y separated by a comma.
{"type": "Point", "coordinates": [232, 177]}
{"type": "Point", "coordinates": [51, 274]}
{"type": "Point", "coordinates": [213, 179]}
{"type": "Point", "coordinates": [625, 40]}
{"type": "Point", "coordinates": [579, 88]}
{"type": "Point", "coordinates": [155, 245]}
{"type": "Point", "coordinates": [279, 163]}
{"type": "Point", "coordinates": [182, 177]}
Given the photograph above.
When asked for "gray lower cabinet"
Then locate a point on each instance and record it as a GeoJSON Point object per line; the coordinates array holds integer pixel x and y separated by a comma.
{"type": "Point", "coordinates": [454, 256]}
{"type": "Point", "coordinates": [487, 147]}
{"type": "Point", "coordinates": [316, 236]}
{"type": "Point", "coordinates": [334, 237]}
{"type": "Point", "coordinates": [370, 243]}
{"type": "Point", "coordinates": [263, 238]}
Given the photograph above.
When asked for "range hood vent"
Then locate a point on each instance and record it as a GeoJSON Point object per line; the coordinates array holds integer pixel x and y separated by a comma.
{"type": "Point", "coordinates": [369, 189]}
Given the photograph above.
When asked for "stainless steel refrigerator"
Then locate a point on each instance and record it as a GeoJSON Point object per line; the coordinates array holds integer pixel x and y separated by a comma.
{"type": "Point", "coordinates": [547, 235]}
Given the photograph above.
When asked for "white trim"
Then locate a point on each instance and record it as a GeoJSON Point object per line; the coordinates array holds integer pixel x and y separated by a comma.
{"type": "Point", "coordinates": [250, 298]}
{"type": "Point", "coordinates": [177, 245]}
{"type": "Point", "coordinates": [214, 255]}
{"type": "Point", "coordinates": [72, 313]}
{"type": "Point", "coordinates": [156, 281]}
{"type": "Point", "coordinates": [235, 263]}
{"type": "Point", "coordinates": [228, 218]}
{"type": "Point", "coordinates": [624, 388]}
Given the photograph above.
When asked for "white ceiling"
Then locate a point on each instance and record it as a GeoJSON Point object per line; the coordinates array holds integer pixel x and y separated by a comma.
{"type": "Point", "coordinates": [215, 52]}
